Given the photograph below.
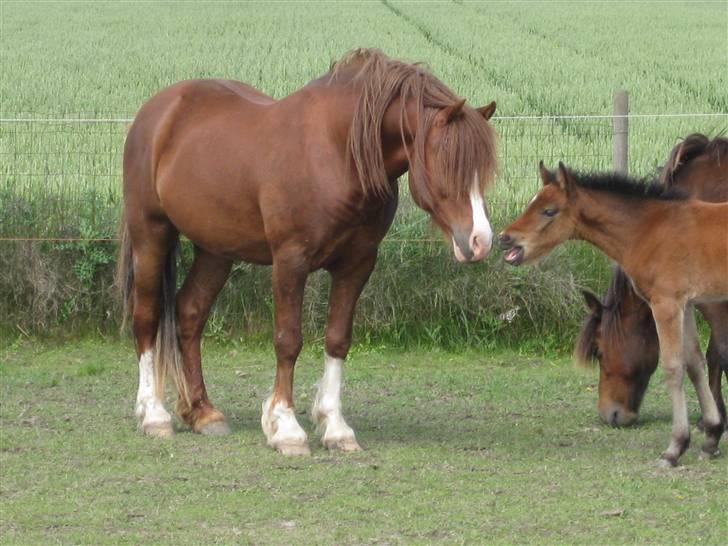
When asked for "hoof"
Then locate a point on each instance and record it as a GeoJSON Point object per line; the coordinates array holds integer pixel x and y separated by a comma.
{"type": "Point", "coordinates": [292, 449]}
{"type": "Point", "coordinates": [666, 462]}
{"type": "Point", "coordinates": [215, 428]}
{"type": "Point", "coordinates": [158, 430]}
{"type": "Point", "coordinates": [347, 445]}
{"type": "Point", "coordinates": [707, 455]}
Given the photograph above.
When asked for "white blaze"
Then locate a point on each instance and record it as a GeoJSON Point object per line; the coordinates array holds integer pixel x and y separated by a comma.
{"type": "Point", "coordinates": [481, 226]}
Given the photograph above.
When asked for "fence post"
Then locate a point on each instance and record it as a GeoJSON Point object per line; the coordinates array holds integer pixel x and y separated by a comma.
{"type": "Point", "coordinates": [620, 134]}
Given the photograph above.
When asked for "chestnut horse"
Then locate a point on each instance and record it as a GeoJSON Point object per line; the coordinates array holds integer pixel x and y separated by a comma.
{"type": "Point", "coordinates": [674, 250]}
{"type": "Point", "coordinates": [620, 333]}
{"type": "Point", "coordinates": [303, 183]}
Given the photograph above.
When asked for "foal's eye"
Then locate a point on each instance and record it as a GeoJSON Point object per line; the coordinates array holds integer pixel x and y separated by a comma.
{"type": "Point", "coordinates": [550, 212]}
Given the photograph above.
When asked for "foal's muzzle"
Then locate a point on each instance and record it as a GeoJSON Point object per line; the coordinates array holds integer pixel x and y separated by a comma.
{"type": "Point", "coordinates": [513, 253]}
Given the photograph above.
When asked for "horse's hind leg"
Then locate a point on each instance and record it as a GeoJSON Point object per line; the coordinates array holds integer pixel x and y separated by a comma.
{"type": "Point", "coordinates": [151, 244]}
{"type": "Point", "coordinates": [194, 300]}
{"type": "Point", "coordinates": [348, 280]}
{"type": "Point", "coordinates": [695, 363]}
{"type": "Point", "coordinates": [717, 317]}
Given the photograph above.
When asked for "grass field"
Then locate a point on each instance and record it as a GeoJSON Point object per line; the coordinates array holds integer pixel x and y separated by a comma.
{"type": "Point", "coordinates": [103, 59]}
{"type": "Point", "coordinates": [459, 448]}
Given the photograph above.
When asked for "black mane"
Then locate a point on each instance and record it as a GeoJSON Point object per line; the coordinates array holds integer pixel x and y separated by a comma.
{"type": "Point", "coordinates": [645, 188]}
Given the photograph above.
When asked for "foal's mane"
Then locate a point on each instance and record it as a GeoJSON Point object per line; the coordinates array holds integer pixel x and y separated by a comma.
{"type": "Point", "coordinates": [626, 186]}
{"type": "Point", "coordinates": [468, 143]}
{"type": "Point", "coordinates": [692, 147]}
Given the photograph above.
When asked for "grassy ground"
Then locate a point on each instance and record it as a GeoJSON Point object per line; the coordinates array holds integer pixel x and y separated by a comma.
{"type": "Point", "coordinates": [103, 59]}
{"type": "Point", "coordinates": [460, 448]}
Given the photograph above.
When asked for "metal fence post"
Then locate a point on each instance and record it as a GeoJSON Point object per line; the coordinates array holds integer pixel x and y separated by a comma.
{"type": "Point", "coordinates": [620, 135]}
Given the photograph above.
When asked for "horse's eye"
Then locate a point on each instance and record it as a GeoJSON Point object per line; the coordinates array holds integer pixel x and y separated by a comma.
{"type": "Point", "coordinates": [550, 212]}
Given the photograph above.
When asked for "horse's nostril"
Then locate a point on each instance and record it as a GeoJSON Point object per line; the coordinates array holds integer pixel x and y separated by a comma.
{"type": "Point", "coordinates": [475, 245]}
{"type": "Point", "coordinates": [504, 239]}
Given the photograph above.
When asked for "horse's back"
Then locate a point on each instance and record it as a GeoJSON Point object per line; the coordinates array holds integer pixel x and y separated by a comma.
{"type": "Point", "coordinates": [186, 159]}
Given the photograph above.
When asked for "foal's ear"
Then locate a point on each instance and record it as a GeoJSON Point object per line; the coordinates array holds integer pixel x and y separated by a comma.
{"type": "Point", "coordinates": [547, 177]}
{"type": "Point", "coordinates": [564, 179]}
{"type": "Point", "coordinates": [487, 111]}
{"type": "Point", "coordinates": [593, 304]}
{"type": "Point", "coordinates": [449, 113]}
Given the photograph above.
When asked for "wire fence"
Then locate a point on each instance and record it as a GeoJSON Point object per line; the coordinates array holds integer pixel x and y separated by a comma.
{"type": "Point", "coordinates": [60, 176]}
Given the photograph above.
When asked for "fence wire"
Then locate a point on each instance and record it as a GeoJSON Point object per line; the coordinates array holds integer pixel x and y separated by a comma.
{"type": "Point", "coordinates": [60, 177]}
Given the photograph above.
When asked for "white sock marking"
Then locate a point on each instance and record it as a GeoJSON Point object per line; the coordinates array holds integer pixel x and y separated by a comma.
{"type": "Point", "coordinates": [149, 409]}
{"type": "Point", "coordinates": [280, 425]}
{"type": "Point", "coordinates": [327, 405]}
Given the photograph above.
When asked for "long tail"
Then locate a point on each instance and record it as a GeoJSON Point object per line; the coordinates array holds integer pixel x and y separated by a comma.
{"type": "Point", "coordinates": [167, 356]}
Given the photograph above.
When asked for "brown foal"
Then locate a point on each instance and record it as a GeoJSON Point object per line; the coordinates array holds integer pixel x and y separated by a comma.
{"type": "Point", "coordinates": [302, 183]}
{"type": "Point", "coordinates": [619, 333]}
{"type": "Point", "coordinates": [674, 250]}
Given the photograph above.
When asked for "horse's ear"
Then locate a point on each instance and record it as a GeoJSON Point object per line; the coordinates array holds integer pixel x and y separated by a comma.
{"type": "Point", "coordinates": [547, 177]}
{"type": "Point", "coordinates": [449, 113]}
{"type": "Point", "coordinates": [564, 179]}
{"type": "Point", "coordinates": [593, 305]}
{"type": "Point", "coordinates": [487, 111]}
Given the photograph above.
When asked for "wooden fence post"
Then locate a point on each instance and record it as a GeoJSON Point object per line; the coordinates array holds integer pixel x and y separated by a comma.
{"type": "Point", "coordinates": [620, 133]}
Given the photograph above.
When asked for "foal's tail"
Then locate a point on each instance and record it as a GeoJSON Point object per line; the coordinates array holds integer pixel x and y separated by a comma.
{"type": "Point", "coordinates": [167, 356]}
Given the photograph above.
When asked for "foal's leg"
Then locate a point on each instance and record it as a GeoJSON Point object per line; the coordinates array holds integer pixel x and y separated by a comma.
{"type": "Point", "coordinates": [194, 300]}
{"type": "Point", "coordinates": [696, 372]}
{"type": "Point", "coordinates": [153, 242]}
{"type": "Point", "coordinates": [279, 423]}
{"type": "Point", "coordinates": [347, 283]}
{"type": "Point", "coordinates": [716, 315]}
{"type": "Point", "coordinates": [669, 321]}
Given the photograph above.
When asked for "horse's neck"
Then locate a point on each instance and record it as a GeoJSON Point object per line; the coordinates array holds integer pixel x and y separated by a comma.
{"type": "Point", "coordinates": [397, 138]}
{"type": "Point", "coordinates": [613, 223]}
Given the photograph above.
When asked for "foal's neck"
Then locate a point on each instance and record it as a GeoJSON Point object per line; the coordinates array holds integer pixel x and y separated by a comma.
{"type": "Point", "coordinates": [614, 223]}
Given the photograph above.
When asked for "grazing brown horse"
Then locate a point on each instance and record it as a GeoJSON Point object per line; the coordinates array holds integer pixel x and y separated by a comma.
{"type": "Point", "coordinates": [303, 183]}
{"type": "Point", "coordinates": [620, 333]}
{"type": "Point", "coordinates": [674, 249]}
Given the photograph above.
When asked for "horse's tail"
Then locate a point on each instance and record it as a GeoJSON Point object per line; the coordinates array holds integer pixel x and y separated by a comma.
{"type": "Point", "coordinates": [124, 278]}
{"type": "Point", "coordinates": [167, 356]}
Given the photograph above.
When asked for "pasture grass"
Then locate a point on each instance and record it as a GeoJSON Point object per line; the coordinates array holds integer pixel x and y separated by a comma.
{"type": "Point", "coordinates": [460, 448]}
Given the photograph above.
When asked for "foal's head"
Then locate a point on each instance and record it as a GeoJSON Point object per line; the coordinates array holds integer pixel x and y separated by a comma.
{"type": "Point", "coordinates": [546, 222]}
{"type": "Point", "coordinates": [619, 334]}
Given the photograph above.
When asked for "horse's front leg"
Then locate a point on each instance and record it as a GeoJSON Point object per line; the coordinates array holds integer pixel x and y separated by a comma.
{"type": "Point", "coordinates": [347, 282]}
{"type": "Point", "coordinates": [279, 423]}
{"type": "Point", "coordinates": [669, 319]}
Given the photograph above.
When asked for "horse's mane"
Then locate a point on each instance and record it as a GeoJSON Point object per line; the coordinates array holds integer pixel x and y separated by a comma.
{"type": "Point", "coordinates": [692, 147]}
{"type": "Point", "coordinates": [626, 186]}
{"type": "Point", "coordinates": [468, 143]}
{"type": "Point", "coordinates": [585, 352]}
